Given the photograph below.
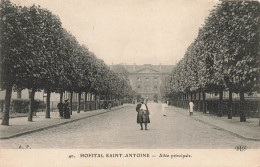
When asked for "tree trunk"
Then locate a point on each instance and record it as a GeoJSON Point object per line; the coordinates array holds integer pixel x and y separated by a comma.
{"type": "Point", "coordinates": [204, 102]}
{"type": "Point", "coordinates": [90, 102]}
{"type": "Point", "coordinates": [2, 106]}
{"type": "Point", "coordinates": [71, 96]}
{"type": "Point", "coordinates": [182, 100]}
{"type": "Point", "coordinates": [199, 101]}
{"type": "Point", "coordinates": [85, 102]}
{"type": "Point", "coordinates": [79, 100]}
{"type": "Point", "coordinates": [230, 103]}
{"type": "Point", "coordinates": [242, 103]}
{"type": "Point", "coordinates": [191, 96]}
{"type": "Point", "coordinates": [220, 110]}
{"type": "Point", "coordinates": [31, 109]}
{"type": "Point", "coordinates": [95, 96]}
{"type": "Point", "coordinates": [99, 105]}
{"type": "Point", "coordinates": [47, 114]}
{"type": "Point", "coordinates": [8, 95]}
{"type": "Point", "coordinates": [19, 94]}
{"type": "Point", "coordinates": [259, 112]}
{"type": "Point", "coordinates": [61, 96]}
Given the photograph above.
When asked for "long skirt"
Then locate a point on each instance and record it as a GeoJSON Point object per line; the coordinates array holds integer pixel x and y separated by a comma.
{"type": "Point", "coordinates": [66, 113]}
{"type": "Point", "coordinates": [143, 117]}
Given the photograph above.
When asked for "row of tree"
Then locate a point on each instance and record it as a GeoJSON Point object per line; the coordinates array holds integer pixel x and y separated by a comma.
{"type": "Point", "coordinates": [223, 57]}
{"type": "Point", "coordinates": [38, 54]}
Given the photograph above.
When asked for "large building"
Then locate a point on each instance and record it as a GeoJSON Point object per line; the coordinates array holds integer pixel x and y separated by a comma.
{"type": "Point", "coordinates": [147, 79]}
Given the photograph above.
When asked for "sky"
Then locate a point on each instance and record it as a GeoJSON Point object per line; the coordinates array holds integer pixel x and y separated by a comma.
{"type": "Point", "coordinates": [131, 31]}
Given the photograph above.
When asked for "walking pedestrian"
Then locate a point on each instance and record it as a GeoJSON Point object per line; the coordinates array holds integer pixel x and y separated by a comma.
{"type": "Point", "coordinates": [191, 105]}
{"type": "Point", "coordinates": [164, 106]}
{"type": "Point", "coordinates": [142, 114]}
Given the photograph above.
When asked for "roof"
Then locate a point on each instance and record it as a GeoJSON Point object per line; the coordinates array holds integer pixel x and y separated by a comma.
{"type": "Point", "coordinates": [159, 68]}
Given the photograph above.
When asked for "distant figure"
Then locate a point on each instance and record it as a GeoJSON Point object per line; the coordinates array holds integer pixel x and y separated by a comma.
{"type": "Point", "coordinates": [143, 114]}
{"type": "Point", "coordinates": [191, 105]}
{"type": "Point", "coordinates": [164, 106]}
{"type": "Point", "coordinates": [66, 109]}
{"type": "Point", "coordinates": [60, 107]}
{"type": "Point", "coordinates": [109, 105]}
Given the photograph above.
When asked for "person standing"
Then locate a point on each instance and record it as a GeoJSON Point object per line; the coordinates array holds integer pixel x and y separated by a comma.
{"type": "Point", "coordinates": [191, 105]}
{"type": "Point", "coordinates": [60, 107]}
{"type": "Point", "coordinates": [164, 106]}
{"type": "Point", "coordinates": [66, 109]}
{"type": "Point", "coordinates": [142, 114]}
{"type": "Point", "coordinates": [109, 105]}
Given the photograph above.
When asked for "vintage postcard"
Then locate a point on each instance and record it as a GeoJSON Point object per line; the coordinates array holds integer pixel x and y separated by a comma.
{"type": "Point", "coordinates": [129, 83]}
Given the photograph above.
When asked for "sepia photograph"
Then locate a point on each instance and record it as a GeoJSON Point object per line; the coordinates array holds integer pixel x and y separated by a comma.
{"type": "Point", "coordinates": [129, 83]}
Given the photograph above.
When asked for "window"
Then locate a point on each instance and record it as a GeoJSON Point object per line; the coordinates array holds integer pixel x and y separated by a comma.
{"type": "Point", "coordinates": [138, 86]}
{"type": "Point", "coordinates": [155, 79]}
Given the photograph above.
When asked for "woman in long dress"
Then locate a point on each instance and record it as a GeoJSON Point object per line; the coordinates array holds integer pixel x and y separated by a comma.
{"type": "Point", "coordinates": [66, 109]}
{"type": "Point", "coordinates": [191, 105]}
{"type": "Point", "coordinates": [164, 106]}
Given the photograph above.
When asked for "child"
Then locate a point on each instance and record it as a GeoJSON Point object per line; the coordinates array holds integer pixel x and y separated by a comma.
{"type": "Point", "coordinates": [191, 105]}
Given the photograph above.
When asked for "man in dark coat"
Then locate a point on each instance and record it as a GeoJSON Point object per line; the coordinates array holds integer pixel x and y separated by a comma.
{"type": "Point", "coordinates": [142, 114]}
{"type": "Point", "coordinates": [60, 107]}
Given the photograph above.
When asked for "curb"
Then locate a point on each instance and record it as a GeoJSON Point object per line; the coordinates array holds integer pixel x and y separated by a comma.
{"type": "Point", "coordinates": [233, 133]}
{"type": "Point", "coordinates": [222, 129]}
{"type": "Point", "coordinates": [52, 126]}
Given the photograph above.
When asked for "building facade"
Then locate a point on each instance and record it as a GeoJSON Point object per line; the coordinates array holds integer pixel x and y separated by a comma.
{"type": "Point", "coordinates": [147, 79]}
